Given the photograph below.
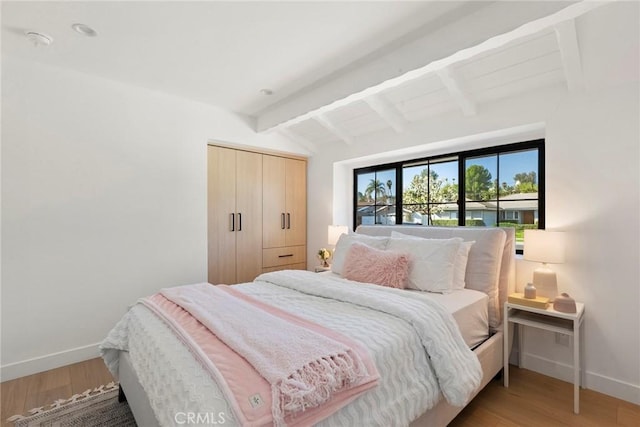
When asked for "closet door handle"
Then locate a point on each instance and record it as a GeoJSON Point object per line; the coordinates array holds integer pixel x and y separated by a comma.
{"type": "Point", "coordinates": [233, 222]}
{"type": "Point", "coordinates": [239, 221]}
{"type": "Point", "coordinates": [288, 221]}
{"type": "Point", "coordinates": [282, 226]}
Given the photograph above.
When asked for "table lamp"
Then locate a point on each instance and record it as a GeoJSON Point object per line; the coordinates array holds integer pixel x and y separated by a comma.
{"type": "Point", "coordinates": [334, 232]}
{"type": "Point", "coordinates": [546, 247]}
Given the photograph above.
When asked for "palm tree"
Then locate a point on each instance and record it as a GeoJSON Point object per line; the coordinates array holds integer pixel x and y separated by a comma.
{"type": "Point", "coordinates": [389, 193]}
{"type": "Point", "coordinates": [375, 187]}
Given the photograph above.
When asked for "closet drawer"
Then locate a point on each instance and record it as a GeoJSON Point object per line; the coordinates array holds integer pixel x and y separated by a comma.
{"type": "Point", "coordinates": [301, 266]}
{"type": "Point", "coordinates": [275, 257]}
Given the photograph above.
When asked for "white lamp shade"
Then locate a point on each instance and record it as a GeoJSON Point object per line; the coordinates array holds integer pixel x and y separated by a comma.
{"type": "Point", "coordinates": [334, 232]}
{"type": "Point", "coordinates": [544, 246]}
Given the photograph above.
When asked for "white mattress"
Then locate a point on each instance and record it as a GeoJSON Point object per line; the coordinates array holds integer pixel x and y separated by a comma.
{"type": "Point", "coordinates": [469, 308]}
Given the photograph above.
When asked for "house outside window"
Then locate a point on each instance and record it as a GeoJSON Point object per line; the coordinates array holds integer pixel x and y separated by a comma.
{"type": "Point", "coordinates": [496, 186]}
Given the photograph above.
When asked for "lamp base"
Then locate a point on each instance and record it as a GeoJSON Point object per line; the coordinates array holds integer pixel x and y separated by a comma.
{"type": "Point", "coordinates": [545, 281]}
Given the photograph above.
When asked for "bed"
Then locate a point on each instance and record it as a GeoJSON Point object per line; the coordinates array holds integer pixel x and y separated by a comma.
{"type": "Point", "coordinates": [160, 378]}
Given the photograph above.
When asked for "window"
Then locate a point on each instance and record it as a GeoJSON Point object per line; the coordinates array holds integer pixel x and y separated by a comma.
{"type": "Point", "coordinates": [376, 197]}
{"type": "Point", "coordinates": [430, 192]}
{"type": "Point", "coordinates": [496, 186]}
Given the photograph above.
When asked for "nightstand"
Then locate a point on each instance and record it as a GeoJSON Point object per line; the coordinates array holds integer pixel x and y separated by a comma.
{"type": "Point", "coordinates": [320, 269]}
{"type": "Point", "coordinates": [549, 320]}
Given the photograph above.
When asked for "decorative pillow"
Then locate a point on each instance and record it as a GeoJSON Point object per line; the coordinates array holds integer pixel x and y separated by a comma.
{"type": "Point", "coordinates": [369, 265]}
{"type": "Point", "coordinates": [432, 262]}
{"type": "Point", "coordinates": [462, 257]}
{"type": "Point", "coordinates": [344, 243]}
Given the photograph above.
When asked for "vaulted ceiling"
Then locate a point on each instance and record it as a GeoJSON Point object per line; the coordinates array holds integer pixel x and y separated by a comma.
{"type": "Point", "coordinates": [539, 54]}
{"type": "Point", "coordinates": [520, 66]}
{"type": "Point", "coordinates": [338, 70]}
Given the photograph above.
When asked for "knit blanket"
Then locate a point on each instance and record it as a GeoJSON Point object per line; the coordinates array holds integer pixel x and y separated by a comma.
{"type": "Point", "coordinates": [305, 365]}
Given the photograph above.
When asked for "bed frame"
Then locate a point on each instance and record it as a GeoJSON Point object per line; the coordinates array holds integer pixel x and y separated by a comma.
{"type": "Point", "coordinates": [490, 352]}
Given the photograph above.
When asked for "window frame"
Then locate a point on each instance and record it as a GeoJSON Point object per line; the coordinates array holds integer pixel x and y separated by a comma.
{"type": "Point", "coordinates": [461, 157]}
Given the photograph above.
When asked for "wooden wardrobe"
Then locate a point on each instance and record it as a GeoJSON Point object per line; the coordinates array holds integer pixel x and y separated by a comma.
{"type": "Point", "coordinates": [257, 213]}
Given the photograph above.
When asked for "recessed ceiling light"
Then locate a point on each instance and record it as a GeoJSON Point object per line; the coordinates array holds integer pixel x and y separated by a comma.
{"type": "Point", "coordinates": [85, 30]}
{"type": "Point", "coordinates": [39, 39]}
{"type": "Point", "coordinates": [266, 92]}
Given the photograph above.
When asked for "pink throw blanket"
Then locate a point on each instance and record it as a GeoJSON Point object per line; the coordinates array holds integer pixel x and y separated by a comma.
{"type": "Point", "coordinates": [259, 354]}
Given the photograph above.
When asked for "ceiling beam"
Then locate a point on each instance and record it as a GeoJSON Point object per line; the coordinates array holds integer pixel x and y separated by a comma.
{"type": "Point", "coordinates": [331, 127]}
{"type": "Point", "coordinates": [570, 53]}
{"type": "Point", "coordinates": [297, 139]}
{"type": "Point", "coordinates": [454, 88]}
{"type": "Point", "coordinates": [387, 111]}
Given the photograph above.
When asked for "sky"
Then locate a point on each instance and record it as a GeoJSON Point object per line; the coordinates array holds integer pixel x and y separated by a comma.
{"type": "Point", "coordinates": [510, 164]}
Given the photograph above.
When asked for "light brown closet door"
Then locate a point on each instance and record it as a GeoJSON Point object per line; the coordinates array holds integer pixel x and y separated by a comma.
{"type": "Point", "coordinates": [221, 201]}
{"type": "Point", "coordinates": [296, 202]}
{"type": "Point", "coordinates": [273, 202]}
{"type": "Point", "coordinates": [248, 216]}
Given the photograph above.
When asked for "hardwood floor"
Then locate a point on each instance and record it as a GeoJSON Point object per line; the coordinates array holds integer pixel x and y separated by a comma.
{"type": "Point", "coordinates": [22, 394]}
{"type": "Point", "coordinates": [536, 400]}
{"type": "Point", "coordinates": [531, 400]}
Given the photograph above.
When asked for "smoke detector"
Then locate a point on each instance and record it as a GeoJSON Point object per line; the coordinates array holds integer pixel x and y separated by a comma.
{"type": "Point", "coordinates": [39, 39]}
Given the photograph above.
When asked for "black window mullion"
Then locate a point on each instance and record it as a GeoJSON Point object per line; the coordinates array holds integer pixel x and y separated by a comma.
{"type": "Point", "coordinates": [498, 190]}
{"type": "Point", "coordinates": [355, 198]}
{"type": "Point", "coordinates": [462, 206]}
{"type": "Point", "coordinates": [375, 196]}
{"type": "Point", "coordinates": [541, 187]}
{"type": "Point", "coordinates": [428, 193]}
{"type": "Point", "coordinates": [399, 186]}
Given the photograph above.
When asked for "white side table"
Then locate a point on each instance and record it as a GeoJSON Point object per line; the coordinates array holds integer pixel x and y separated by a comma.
{"type": "Point", "coordinates": [549, 320]}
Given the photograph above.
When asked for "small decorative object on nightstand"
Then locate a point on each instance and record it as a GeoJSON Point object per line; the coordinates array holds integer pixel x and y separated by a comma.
{"type": "Point", "coordinates": [530, 291]}
{"type": "Point", "coordinates": [320, 269]}
{"type": "Point", "coordinates": [564, 303]}
{"type": "Point", "coordinates": [324, 254]}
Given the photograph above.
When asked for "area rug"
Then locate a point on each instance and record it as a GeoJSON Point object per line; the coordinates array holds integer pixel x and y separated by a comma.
{"type": "Point", "coordinates": [97, 408]}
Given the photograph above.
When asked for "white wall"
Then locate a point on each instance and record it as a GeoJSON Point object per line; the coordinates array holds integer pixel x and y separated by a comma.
{"type": "Point", "coordinates": [593, 193]}
{"type": "Point", "coordinates": [103, 201]}
{"type": "Point", "coordinates": [593, 158]}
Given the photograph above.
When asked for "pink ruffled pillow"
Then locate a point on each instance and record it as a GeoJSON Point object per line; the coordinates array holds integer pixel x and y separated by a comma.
{"type": "Point", "coordinates": [369, 265]}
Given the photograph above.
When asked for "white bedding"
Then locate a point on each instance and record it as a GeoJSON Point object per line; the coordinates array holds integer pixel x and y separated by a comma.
{"type": "Point", "coordinates": [469, 308]}
{"type": "Point", "coordinates": [397, 350]}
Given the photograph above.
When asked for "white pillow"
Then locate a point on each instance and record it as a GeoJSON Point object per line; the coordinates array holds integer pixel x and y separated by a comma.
{"type": "Point", "coordinates": [346, 240]}
{"type": "Point", "coordinates": [432, 262]}
{"type": "Point", "coordinates": [460, 268]}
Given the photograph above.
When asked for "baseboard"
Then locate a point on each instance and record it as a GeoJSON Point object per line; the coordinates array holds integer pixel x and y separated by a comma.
{"type": "Point", "coordinates": [600, 383]}
{"type": "Point", "coordinates": [23, 368]}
